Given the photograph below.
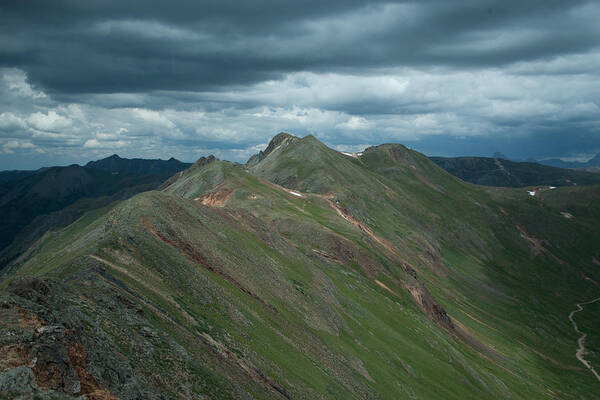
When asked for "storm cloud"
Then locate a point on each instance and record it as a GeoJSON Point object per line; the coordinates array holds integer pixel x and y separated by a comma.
{"type": "Point", "coordinates": [81, 80]}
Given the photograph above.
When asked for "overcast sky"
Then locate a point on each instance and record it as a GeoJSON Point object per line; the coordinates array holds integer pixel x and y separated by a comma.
{"type": "Point", "coordinates": [81, 80]}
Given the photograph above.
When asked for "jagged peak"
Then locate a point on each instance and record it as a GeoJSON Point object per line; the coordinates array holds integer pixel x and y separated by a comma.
{"type": "Point", "coordinates": [281, 136]}
{"type": "Point", "coordinates": [202, 161]}
{"type": "Point", "coordinates": [281, 139]}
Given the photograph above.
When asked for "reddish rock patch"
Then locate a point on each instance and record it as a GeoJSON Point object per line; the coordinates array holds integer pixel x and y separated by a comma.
{"type": "Point", "coordinates": [12, 356]}
{"type": "Point", "coordinates": [429, 305]}
{"type": "Point", "coordinates": [216, 199]}
{"type": "Point", "coordinates": [90, 387]}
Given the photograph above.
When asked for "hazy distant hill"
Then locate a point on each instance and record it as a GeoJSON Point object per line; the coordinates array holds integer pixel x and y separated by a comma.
{"type": "Point", "coordinates": [312, 274]}
{"type": "Point", "coordinates": [499, 172]}
{"type": "Point", "coordinates": [556, 162]}
{"type": "Point", "coordinates": [115, 163]}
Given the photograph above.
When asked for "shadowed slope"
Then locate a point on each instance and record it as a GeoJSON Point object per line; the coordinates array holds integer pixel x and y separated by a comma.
{"type": "Point", "coordinates": [500, 172]}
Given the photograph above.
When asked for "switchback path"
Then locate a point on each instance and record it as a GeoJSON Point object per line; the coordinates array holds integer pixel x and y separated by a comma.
{"type": "Point", "coordinates": [581, 341]}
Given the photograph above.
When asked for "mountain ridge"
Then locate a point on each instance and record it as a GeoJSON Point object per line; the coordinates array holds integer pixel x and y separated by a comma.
{"type": "Point", "coordinates": [115, 163]}
{"type": "Point", "coordinates": [314, 274]}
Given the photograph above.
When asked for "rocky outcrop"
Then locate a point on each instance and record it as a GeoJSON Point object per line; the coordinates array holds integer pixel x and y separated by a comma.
{"type": "Point", "coordinates": [202, 161]}
{"type": "Point", "coordinates": [281, 139]}
{"type": "Point", "coordinates": [41, 356]}
{"type": "Point", "coordinates": [428, 304]}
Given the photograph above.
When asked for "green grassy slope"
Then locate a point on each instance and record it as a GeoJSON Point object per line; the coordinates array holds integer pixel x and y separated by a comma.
{"type": "Point", "coordinates": [312, 274]}
{"type": "Point", "coordinates": [501, 249]}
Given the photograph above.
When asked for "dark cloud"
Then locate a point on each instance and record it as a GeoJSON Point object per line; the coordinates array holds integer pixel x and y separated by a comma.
{"type": "Point", "coordinates": [148, 78]}
{"type": "Point", "coordinates": [103, 47]}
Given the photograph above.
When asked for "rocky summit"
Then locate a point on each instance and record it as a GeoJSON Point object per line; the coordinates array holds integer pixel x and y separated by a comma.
{"type": "Point", "coordinates": [308, 273]}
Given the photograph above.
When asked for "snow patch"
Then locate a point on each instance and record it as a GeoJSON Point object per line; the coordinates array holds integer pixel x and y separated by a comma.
{"type": "Point", "coordinates": [551, 187]}
{"type": "Point", "coordinates": [296, 193]}
{"type": "Point", "coordinates": [531, 192]}
{"type": "Point", "coordinates": [348, 154]}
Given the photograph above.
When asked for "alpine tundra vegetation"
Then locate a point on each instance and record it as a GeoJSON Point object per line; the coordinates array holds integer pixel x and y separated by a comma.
{"type": "Point", "coordinates": [309, 273]}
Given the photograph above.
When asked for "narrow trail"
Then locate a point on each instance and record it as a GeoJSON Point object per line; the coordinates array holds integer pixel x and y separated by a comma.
{"type": "Point", "coordinates": [581, 341]}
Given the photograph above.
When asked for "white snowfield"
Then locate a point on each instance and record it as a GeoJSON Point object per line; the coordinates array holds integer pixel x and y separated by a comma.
{"type": "Point", "coordinates": [551, 187]}
{"type": "Point", "coordinates": [355, 155]}
{"type": "Point", "coordinates": [296, 193]}
{"type": "Point", "coordinates": [531, 192]}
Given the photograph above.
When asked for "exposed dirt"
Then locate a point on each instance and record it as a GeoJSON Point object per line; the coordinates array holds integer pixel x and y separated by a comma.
{"type": "Point", "coordinates": [218, 198]}
{"type": "Point", "coordinates": [466, 335]}
{"type": "Point", "coordinates": [27, 319]}
{"type": "Point", "coordinates": [537, 245]}
{"type": "Point", "coordinates": [581, 341]}
{"type": "Point", "coordinates": [346, 215]}
{"type": "Point", "coordinates": [254, 373]}
{"type": "Point", "coordinates": [418, 290]}
{"type": "Point", "coordinates": [14, 355]}
{"type": "Point", "coordinates": [550, 359]}
{"type": "Point", "coordinates": [384, 286]}
{"type": "Point", "coordinates": [479, 321]}
{"type": "Point", "coordinates": [429, 305]}
{"type": "Point", "coordinates": [500, 166]}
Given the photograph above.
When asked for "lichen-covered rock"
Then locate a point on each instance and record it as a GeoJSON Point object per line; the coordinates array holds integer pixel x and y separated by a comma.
{"type": "Point", "coordinates": [19, 384]}
{"type": "Point", "coordinates": [17, 380]}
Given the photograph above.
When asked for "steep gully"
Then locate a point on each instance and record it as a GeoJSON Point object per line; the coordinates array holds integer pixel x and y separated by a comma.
{"type": "Point", "coordinates": [581, 341]}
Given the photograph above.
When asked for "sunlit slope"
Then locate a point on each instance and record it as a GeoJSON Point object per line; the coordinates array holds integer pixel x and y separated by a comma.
{"type": "Point", "coordinates": [312, 274]}
{"type": "Point", "coordinates": [499, 260]}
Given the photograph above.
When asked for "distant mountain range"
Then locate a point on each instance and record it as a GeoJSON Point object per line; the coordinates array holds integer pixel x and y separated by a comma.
{"type": "Point", "coordinates": [500, 172]}
{"type": "Point", "coordinates": [556, 162]}
{"type": "Point", "coordinates": [25, 195]}
{"type": "Point", "coordinates": [120, 165]}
